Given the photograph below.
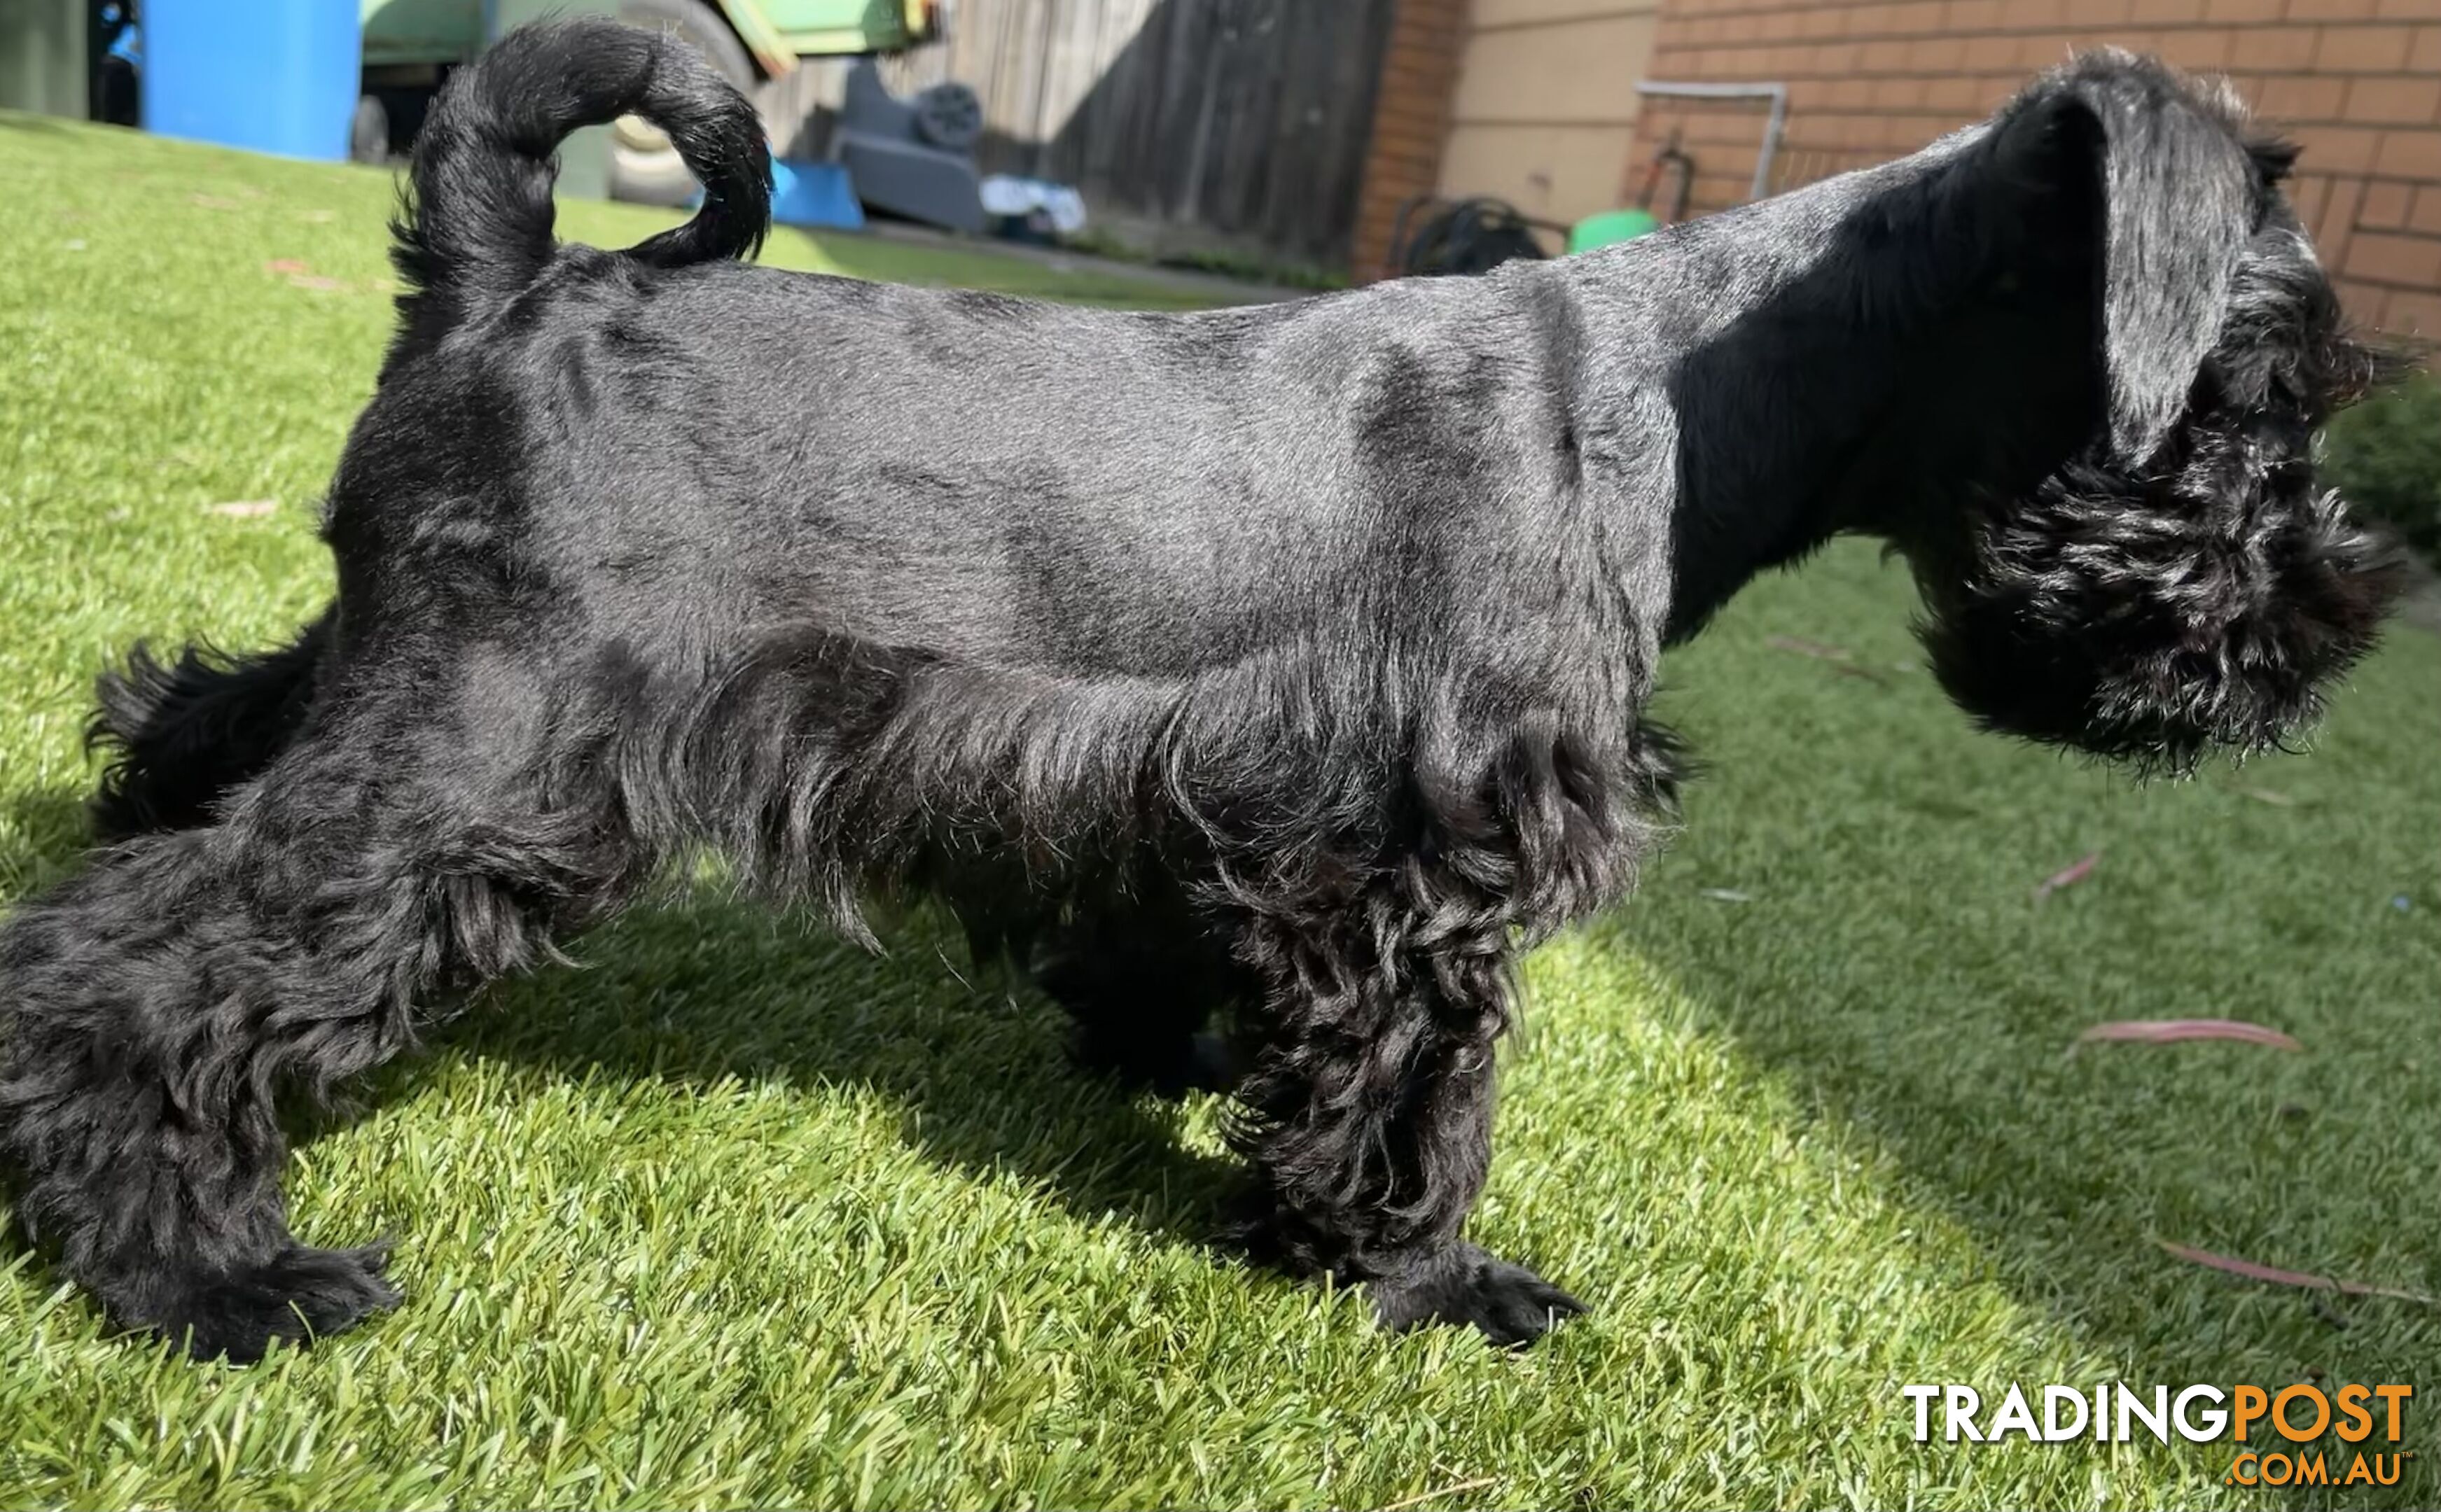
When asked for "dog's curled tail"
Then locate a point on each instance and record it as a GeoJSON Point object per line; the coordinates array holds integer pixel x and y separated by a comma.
{"type": "Point", "coordinates": [476, 228]}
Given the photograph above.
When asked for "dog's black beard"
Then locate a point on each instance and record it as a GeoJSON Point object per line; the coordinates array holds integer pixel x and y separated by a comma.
{"type": "Point", "coordinates": [2200, 599]}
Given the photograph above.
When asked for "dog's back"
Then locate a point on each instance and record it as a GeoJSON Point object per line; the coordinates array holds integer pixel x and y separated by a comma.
{"type": "Point", "coordinates": [974, 476]}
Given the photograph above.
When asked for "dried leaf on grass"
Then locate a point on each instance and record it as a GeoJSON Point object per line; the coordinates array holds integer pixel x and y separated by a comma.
{"type": "Point", "coordinates": [243, 509]}
{"type": "Point", "coordinates": [2067, 877]}
{"type": "Point", "coordinates": [2173, 1031]}
{"type": "Point", "coordinates": [301, 275]}
{"type": "Point", "coordinates": [1460, 1489]}
{"type": "Point", "coordinates": [1842, 660]}
{"type": "Point", "coordinates": [2253, 1272]}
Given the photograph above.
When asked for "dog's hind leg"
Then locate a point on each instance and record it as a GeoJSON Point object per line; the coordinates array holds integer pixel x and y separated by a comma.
{"type": "Point", "coordinates": [186, 733]}
{"type": "Point", "coordinates": [1145, 975]}
{"type": "Point", "coordinates": [160, 1001]}
{"type": "Point", "coordinates": [1368, 1110]}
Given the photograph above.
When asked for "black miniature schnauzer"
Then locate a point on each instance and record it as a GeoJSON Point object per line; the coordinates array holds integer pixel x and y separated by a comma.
{"type": "Point", "coordinates": [1279, 667]}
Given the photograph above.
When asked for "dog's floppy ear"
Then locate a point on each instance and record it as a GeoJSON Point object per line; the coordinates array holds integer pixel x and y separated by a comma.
{"type": "Point", "coordinates": [2180, 197]}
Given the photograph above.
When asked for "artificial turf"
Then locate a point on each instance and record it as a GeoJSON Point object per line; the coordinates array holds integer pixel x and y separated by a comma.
{"type": "Point", "coordinates": [738, 1215]}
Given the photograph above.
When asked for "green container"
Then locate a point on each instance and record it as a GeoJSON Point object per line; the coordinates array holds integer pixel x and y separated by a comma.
{"type": "Point", "coordinates": [43, 57]}
{"type": "Point", "coordinates": [826, 27]}
{"type": "Point", "coordinates": [1609, 226]}
{"type": "Point", "coordinates": [420, 31]}
{"type": "Point", "coordinates": [407, 44]}
{"type": "Point", "coordinates": [407, 33]}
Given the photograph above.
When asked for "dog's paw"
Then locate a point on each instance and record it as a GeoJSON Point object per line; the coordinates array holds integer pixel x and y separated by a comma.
{"type": "Point", "coordinates": [298, 1295]}
{"type": "Point", "coordinates": [1509, 1305]}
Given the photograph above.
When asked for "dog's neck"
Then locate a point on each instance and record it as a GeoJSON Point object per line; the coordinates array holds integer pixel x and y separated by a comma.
{"type": "Point", "coordinates": [1822, 356]}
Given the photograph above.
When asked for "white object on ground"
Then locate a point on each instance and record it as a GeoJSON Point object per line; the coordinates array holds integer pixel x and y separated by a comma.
{"type": "Point", "coordinates": [1004, 194]}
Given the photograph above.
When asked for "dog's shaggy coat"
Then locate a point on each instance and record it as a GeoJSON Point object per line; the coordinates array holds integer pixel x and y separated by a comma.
{"type": "Point", "coordinates": [1287, 661]}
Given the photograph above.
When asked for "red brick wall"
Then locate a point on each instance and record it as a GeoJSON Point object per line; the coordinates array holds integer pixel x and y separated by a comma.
{"type": "Point", "coordinates": [1411, 122]}
{"type": "Point", "coordinates": [2357, 82]}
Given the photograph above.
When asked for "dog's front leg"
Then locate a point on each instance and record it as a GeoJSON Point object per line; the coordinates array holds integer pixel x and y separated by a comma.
{"type": "Point", "coordinates": [1369, 1098]}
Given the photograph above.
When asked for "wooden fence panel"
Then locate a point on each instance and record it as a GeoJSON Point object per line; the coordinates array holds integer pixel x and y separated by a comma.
{"type": "Point", "coordinates": [1243, 120]}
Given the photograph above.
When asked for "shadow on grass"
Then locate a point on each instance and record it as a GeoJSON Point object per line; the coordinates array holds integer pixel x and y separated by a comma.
{"type": "Point", "coordinates": [2070, 1226]}
{"type": "Point", "coordinates": [1854, 917]}
{"type": "Point", "coordinates": [708, 990]}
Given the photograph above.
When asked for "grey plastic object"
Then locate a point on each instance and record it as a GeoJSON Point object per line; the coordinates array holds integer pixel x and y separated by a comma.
{"type": "Point", "coordinates": [881, 139]}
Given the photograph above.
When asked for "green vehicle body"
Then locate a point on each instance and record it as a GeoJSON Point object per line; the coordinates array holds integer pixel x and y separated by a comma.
{"type": "Point", "coordinates": [413, 33]}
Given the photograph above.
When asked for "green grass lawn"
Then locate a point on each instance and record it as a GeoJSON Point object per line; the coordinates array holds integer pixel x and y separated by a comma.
{"type": "Point", "coordinates": [741, 1216]}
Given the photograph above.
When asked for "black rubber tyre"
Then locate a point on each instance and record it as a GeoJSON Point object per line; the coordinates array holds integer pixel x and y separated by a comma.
{"type": "Point", "coordinates": [949, 117]}
{"type": "Point", "coordinates": [643, 167]}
